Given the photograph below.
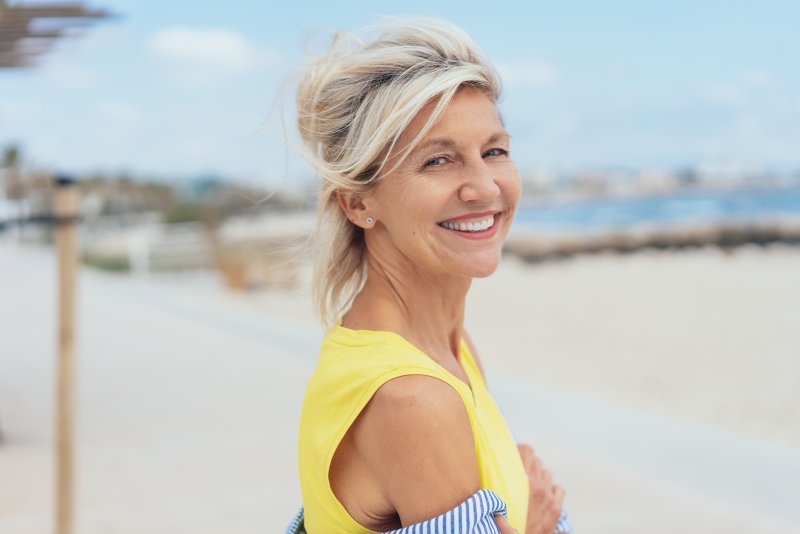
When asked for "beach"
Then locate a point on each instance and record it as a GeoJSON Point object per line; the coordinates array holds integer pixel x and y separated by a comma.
{"type": "Point", "coordinates": [706, 335]}
{"type": "Point", "coordinates": [659, 387]}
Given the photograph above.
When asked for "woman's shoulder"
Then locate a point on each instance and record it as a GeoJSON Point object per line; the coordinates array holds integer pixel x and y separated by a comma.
{"type": "Point", "coordinates": [416, 437]}
{"type": "Point", "coordinates": [420, 398]}
{"type": "Point", "coordinates": [355, 366]}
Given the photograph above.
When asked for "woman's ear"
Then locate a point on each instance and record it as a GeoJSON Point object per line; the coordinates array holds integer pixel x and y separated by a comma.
{"type": "Point", "coordinates": [352, 205]}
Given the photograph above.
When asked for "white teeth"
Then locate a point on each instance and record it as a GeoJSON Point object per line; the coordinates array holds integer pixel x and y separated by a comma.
{"type": "Point", "coordinates": [478, 226]}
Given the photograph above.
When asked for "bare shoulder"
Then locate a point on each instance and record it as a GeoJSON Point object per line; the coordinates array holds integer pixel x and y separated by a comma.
{"type": "Point", "coordinates": [474, 352]}
{"type": "Point", "coordinates": [416, 437]}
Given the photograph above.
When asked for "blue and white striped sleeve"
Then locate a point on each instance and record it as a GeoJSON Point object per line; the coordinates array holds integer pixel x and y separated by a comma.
{"type": "Point", "coordinates": [473, 516]}
{"type": "Point", "coordinates": [563, 524]}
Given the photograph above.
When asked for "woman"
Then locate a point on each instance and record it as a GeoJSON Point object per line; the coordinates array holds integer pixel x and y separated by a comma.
{"type": "Point", "coordinates": [419, 191]}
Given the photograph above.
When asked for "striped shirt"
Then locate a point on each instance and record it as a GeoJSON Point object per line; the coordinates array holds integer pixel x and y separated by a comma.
{"type": "Point", "coordinates": [476, 515]}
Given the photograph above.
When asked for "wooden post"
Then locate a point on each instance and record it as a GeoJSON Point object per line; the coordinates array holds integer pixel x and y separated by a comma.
{"type": "Point", "coordinates": [66, 211]}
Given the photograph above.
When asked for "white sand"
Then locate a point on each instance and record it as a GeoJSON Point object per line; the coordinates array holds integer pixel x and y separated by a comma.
{"type": "Point", "coordinates": [703, 335]}
{"type": "Point", "coordinates": [659, 388]}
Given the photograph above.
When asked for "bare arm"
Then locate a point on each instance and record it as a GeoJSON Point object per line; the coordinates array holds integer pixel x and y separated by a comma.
{"type": "Point", "coordinates": [416, 439]}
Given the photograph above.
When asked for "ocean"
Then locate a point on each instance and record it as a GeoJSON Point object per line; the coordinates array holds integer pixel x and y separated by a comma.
{"type": "Point", "coordinates": [684, 207]}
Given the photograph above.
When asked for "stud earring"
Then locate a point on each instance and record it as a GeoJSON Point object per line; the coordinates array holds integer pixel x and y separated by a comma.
{"type": "Point", "coordinates": [370, 220]}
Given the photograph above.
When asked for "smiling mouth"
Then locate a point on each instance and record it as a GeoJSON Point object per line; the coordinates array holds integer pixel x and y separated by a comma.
{"type": "Point", "coordinates": [478, 226]}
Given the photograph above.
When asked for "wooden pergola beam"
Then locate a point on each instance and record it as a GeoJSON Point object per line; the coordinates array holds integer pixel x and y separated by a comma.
{"type": "Point", "coordinates": [21, 43]}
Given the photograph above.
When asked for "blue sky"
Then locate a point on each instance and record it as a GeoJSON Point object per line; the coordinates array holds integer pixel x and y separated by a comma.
{"type": "Point", "coordinates": [174, 89]}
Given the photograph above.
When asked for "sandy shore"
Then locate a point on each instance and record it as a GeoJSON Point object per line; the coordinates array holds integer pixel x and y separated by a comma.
{"type": "Point", "coordinates": [704, 335]}
{"type": "Point", "coordinates": [660, 388]}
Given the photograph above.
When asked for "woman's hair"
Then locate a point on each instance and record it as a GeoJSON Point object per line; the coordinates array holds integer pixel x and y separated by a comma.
{"type": "Point", "coordinates": [353, 103]}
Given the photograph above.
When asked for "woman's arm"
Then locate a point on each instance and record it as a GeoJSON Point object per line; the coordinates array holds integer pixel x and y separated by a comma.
{"type": "Point", "coordinates": [415, 440]}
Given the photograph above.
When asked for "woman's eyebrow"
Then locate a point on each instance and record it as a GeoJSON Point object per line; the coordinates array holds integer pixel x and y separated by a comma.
{"type": "Point", "coordinates": [436, 142]}
{"type": "Point", "coordinates": [498, 136]}
{"type": "Point", "coordinates": [447, 142]}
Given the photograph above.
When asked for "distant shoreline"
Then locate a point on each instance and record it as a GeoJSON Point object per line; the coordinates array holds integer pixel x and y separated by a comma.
{"type": "Point", "coordinates": [533, 245]}
{"type": "Point", "coordinates": [687, 218]}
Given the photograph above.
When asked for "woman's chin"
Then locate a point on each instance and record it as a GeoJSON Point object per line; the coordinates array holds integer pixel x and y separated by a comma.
{"type": "Point", "coordinates": [485, 273]}
{"type": "Point", "coordinates": [482, 269]}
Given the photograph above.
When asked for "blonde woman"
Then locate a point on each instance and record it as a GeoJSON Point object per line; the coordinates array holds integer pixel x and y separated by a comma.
{"type": "Point", "coordinates": [419, 190]}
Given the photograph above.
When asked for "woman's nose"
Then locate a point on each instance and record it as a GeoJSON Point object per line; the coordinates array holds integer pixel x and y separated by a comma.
{"type": "Point", "coordinates": [479, 184]}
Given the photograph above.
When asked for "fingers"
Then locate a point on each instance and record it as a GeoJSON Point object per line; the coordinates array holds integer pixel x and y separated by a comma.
{"type": "Point", "coordinates": [503, 526]}
{"type": "Point", "coordinates": [558, 494]}
{"type": "Point", "coordinates": [532, 464]}
{"type": "Point", "coordinates": [530, 461]}
{"type": "Point", "coordinates": [546, 499]}
{"type": "Point", "coordinates": [527, 455]}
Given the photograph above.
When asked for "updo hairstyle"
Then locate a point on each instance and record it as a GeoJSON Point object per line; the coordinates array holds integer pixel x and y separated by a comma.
{"type": "Point", "coordinates": [353, 103]}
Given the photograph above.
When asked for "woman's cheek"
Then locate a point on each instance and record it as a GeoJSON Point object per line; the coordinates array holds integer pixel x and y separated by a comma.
{"type": "Point", "coordinates": [514, 189]}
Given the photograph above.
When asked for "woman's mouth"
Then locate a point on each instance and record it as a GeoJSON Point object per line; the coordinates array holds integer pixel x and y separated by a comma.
{"type": "Point", "coordinates": [472, 226]}
{"type": "Point", "coordinates": [481, 226]}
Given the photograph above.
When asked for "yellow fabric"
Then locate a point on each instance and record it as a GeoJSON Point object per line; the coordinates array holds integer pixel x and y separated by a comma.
{"type": "Point", "coordinates": [353, 364]}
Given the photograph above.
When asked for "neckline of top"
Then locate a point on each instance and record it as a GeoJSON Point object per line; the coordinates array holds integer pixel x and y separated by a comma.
{"type": "Point", "coordinates": [463, 348]}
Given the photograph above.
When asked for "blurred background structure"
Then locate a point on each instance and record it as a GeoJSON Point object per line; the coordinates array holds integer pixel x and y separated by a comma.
{"type": "Point", "coordinates": [641, 332]}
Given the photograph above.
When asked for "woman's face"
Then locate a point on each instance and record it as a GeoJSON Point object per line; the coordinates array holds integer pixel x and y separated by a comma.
{"type": "Point", "coordinates": [449, 206]}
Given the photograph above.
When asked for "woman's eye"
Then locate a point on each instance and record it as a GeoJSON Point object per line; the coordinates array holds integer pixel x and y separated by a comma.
{"type": "Point", "coordinates": [496, 152]}
{"type": "Point", "coordinates": [438, 161]}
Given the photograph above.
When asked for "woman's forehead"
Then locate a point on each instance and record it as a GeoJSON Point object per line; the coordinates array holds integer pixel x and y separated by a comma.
{"type": "Point", "coordinates": [469, 113]}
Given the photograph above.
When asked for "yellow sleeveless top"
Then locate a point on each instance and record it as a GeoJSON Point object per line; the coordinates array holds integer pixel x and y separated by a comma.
{"type": "Point", "coordinates": [353, 364]}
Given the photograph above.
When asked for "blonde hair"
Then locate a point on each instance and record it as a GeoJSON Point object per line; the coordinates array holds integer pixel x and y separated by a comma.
{"type": "Point", "coordinates": [353, 103]}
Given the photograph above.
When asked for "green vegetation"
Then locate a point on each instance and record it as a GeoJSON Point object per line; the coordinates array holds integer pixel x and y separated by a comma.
{"type": "Point", "coordinates": [107, 263]}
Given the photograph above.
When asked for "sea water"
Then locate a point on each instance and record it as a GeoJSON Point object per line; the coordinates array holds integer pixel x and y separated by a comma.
{"type": "Point", "coordinates": [687, 206]}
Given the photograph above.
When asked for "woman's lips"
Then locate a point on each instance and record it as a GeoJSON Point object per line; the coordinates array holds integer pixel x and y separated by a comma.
{"type": "Point", "coordinates": [473, 225]}
{"type": "Point", "coordinates": [473, 216]}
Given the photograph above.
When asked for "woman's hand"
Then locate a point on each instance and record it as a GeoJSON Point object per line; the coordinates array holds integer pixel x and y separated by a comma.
{"type": "Point", "coordinates": [546, 499]}
{"type": "Point", "coordinates": [503, 526]}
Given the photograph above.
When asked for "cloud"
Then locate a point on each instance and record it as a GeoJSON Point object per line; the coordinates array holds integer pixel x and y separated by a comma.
{"type": "Point", "coordinates": [207, 55]}
{"type": "Point", "coordinates": [750, 87]}
{"type": "Point", "coordinates": [758, 79]}
{"type": "Point", "coordinates": [68, 74]}
{"type": "Point", "coordinates": [725, 94]}
{"type": "Point", "coordinates": [26, 111]}
{"type": "Point", "coordinates": [531, 74]}
{"type": "Point", "coordinates": [118, 113]}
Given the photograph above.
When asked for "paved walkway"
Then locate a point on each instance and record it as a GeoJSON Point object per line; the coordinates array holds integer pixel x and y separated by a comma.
{"type": "Point", "coordinates": [187, 412]}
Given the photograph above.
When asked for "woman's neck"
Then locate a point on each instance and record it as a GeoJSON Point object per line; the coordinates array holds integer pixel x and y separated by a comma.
{"type": "Point", "coordinates": [425, 308]}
